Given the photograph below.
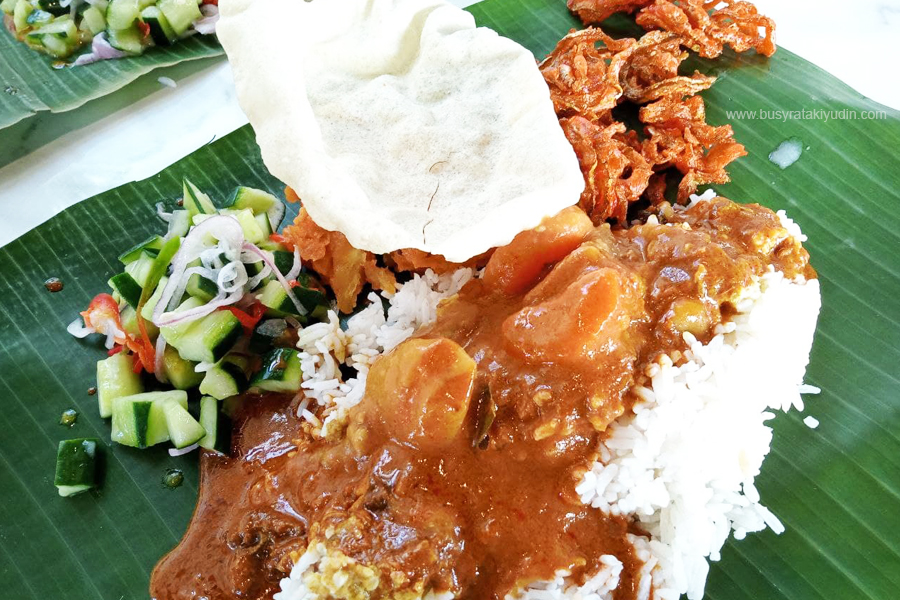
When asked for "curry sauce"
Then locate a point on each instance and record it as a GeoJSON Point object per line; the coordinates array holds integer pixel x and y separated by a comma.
{"type": "Point", "coordinates": [457, 471]}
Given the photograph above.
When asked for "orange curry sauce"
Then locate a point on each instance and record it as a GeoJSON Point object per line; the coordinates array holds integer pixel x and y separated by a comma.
{"type": "Point", "coordinates": [457, 471]}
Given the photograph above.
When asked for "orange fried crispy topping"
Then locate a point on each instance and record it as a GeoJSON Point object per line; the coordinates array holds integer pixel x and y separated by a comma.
{"type": "Point", "coordinates": [596, 11]}
{"type": "Point", "coordinates": [680, 137]}
{"type": "Point", "coordinates": [615, 173]}
{"type": "Point", "coordinates": [417, 261]}
{"type": "Point", "coordinates": [736, 24]}
{"type": "Point", "coordinates": [651, 72]}
{"type": "Point", "coordinates": [345, 268]}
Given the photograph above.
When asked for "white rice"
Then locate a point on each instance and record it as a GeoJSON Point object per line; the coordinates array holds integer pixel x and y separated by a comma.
{"type": "Point", "coordinates": [683, 465]}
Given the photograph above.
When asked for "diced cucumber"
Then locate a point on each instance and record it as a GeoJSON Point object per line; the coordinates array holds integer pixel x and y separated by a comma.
{"type": "Point", "coordinates": [150, 305]}
{"type": "Point", "coordinates": [272, 246]}
{"type": "Point", "coordinates": [252, 231]}
{"type": "Point", "coordinates": [264, 225]}
{"type": "Point", "coordinates": [256, 200]}
{"type": "Point", "coordinates": [139, 269]}
{"type": "Point", "coordinates": [179, 224]}
{"type": "Point", "coordinates": [223, 381]}
{"type": "Point", "coordinates": [38, 18]}
{"type": "Point", "coordinates": [160, 30]}
{"type": "Point", "coordinates": [201, 287]}
{"type": "Point", "coordinates": [129, 289]}
{"type": "Point", "coordinates": [283, 260]}
{"type": "Point", "coordinates": [95, 22]}
{"type": "Point", "coordinates": [174, 333]}
{"type": "Point", "coordinates": [151, 244]}
{"type": "Point", "coordinates": [129, 40]}
{"type": "Point", "coordinates": [121, 14]}
{"type": "Point", "coordinates": [20, 14]}
{"type": "Point", "coordinates": [139, 420]}
{"type": "Point", "coordinates": [280, 371]}
{"type": "Point", "coordinates": [195, 201]}
{"type": "Point", "coordinates": [57, 45]}
{"type": "Point", "coordinates": [53, 7]}
{"type": "Point", "coordinates": [116, 378]}
{"type": "Point", "coordinates": [8, 6]}
{"type": "Point", "coordinates": [181, 14]}
{"type": "Point", "coordinates": [180, 372]}
{"type": "Point", "coordinates": [210, 338]}
{"type": "Point", "coordinates": [274, 296]}
{"type": "Point", "coordinates": [217, 426]}
{"type": "Point", "coordinates": [184, 429]}
{"type": "Point", "coordinates": [130, 324]}
{"type": "Point", "coordinates": [266, 334]}
{"type": "Point", "coordinates": [130, 421]}
{"type": "Point", "coordinates": [76, 466]}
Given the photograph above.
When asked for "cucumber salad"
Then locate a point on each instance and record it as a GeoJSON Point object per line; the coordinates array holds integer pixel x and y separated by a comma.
{"type": "Point", "coordinates": [112, 28]}
{"type": "Point", "coordinates": [198, 315]}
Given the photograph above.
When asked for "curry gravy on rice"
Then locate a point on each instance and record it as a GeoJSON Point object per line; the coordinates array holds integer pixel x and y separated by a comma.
{"type": "Point", "coordinates": [457, 471]}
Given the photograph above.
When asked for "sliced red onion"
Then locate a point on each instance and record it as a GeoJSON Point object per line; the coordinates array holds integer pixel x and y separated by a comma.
{"type": "Point", "coordinates": [183, 451]}
{"type": "Point", "coordinates": [207, 24]}
{"type": "Point", "coordinates": [78, 329]}
{"type": "Point", "coordinates": [225, 229]}
{"type": "Point", "coordinates": [256, 279]}
{"type": "Point", "coordinates": [100, 50]}
{"type": "Point", "coordinates": [292, 322]}
{"type": "Point", "coordinates": [186, 316]}
{"type": "Point", "coordinates": [295, 268]}
{"type": "Point", "coordinates": [9, 23]}
{"type": "Point", "coordinates": [165, 216]}
{"type": "Point", "coordinates": [287, 287]}
{"type": "Point", "coordinates": [159, 368]}
{"type": "Point", "coordinates": [232, 277]}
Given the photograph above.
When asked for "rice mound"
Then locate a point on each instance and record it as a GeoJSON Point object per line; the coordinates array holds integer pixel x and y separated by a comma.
{"type": "Point", "coordinates": [683, 464]}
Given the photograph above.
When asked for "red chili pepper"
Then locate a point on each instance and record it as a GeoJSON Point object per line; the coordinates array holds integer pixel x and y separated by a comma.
{"type": "Point", "coordinates": [280, 239]}
{"type": "Point", "coordinates": [213, 2]}
{"type": "Point", "coordinates": [138, 366]}
{"type": "Point", "coordinates": [144, 29]}
{"type": "Point", "coordinates": [248, 321]}
{"type": "Point", "coordinates": [115, 350]}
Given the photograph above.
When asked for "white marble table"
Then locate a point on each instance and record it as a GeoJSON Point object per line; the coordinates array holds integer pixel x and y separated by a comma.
{"type": "Point", "coordinates": [139, 140]}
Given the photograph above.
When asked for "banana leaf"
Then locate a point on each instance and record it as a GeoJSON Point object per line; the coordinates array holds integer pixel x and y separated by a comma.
{"type": "Point", "coordinates": [836, 488]}
{"type": "Point", "coordinates": [31, 82]}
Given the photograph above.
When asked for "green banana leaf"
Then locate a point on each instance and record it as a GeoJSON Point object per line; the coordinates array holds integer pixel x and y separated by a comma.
{"type": "Point", "coordinates": [836, 488]}
{"type": "Point", "coordinates": [31, 82]}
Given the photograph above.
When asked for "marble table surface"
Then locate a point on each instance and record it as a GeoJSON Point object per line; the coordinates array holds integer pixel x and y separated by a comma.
{"type": "Point", "coordinates": [100, 153]}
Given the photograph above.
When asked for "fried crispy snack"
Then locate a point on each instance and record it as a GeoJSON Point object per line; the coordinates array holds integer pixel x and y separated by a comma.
{"type": "Point", "coordinates": [737, 24]}
{"type": "Point", "coordinates": [699, 25]}
{"type": "Point", "coordinates": [345, 268]}
{"type": "Point", "coordinates": [584, 79]}
{"type": "Point", "coordinates": [417, 261]}
{"type": "Point", "coordinates": [651, 71]}
{"type": "Point", "coordinates": [615, 173]}
{"type": "Point", "coordinates": [595, 11]}
{"type": "Point", "coordinates": [680, 137]}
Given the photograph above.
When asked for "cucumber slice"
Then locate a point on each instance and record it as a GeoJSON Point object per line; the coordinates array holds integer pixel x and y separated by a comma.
{"type": "Point", "coordinates": [140, 267]}
{"type": "Point", "coordinates": [160, 30]}
{"type": "Point", "coordinates": [116, 378]}
{"type": "Point", "coordinates": [201, 287]}
{"type": "Point", "coordinates": [150, 305]}
{"type": "Point", "coordinates": [181, 14]}
{"type": "Point", "coordinates": [151, 244]}
{"type": "Point", "coordinates": [129, 289]}
{"type": "Point", "coordinates": [283, 260]}
{"type": "Point", "coordinates": [257, 201]}
{"type": "Point", "coordinates": [252, 231]}
{"type": "Point", "coordinates": [94, 21]}
{"type": "Point", "coordinates": [210, 338]}
{"type": "Point", "coordinates": [264, 225]}
{"type": "Point", "coordinates": [180, 372]}
{"type": "Point", "coordinates": [8, 6]}
{"type": "Point", "coordinates": [184, 429]}
{"type": "Point", "coordinates": [180, 224]}
{"type": "Point", "coordinates": [223, 381]}
{"type": "Point", "coordinates": [140, 421]}
{"type": "Point", "coordinates": [57, 45]}
{"type": "Point", "coordinates": [195, 201]}
{"type": "Point", "coordinates": [174, 333]}
{"type": "Point", "coordinates": [76, 466]}
{"type": "Point", "coordinates": [129, 40]}
{"type": "Point", "coordinates": [275, 298]}
{"type": "Point", "coordinates": [38, 18]}
{"type": "Point", "coordinates": [280, 371]}
{"type": "Point", "coordinates": [217, 426]}
{"type": "Point", "coordinates": [20, 14]}
{"type": "Point", "coordinates": [266, 334]}
{"type": "Point", "coordinates": [121, 14]}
